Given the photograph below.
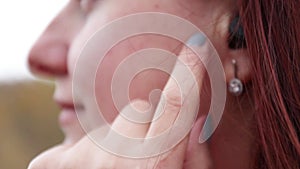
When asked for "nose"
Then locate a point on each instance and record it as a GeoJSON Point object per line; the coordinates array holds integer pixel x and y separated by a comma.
{"type": "Point", "coordinates": [48, 56]}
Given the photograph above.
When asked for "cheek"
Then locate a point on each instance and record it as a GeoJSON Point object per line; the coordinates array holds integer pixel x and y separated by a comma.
{"type": "Point", "coordinates": [141, 83]}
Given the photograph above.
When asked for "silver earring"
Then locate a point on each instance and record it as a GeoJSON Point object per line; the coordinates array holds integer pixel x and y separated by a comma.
{"type": "Point", "coordinates": [235, 85]}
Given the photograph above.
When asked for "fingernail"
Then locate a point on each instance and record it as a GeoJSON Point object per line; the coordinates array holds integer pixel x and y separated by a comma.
{"type": "Point", "coordinates": [207, 129]}
{"type": "Point", "coordinates": [198, 39]}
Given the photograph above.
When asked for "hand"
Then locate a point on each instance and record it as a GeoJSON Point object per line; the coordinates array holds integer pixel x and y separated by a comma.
{"type": "Point", "coordinates": [188, 154]}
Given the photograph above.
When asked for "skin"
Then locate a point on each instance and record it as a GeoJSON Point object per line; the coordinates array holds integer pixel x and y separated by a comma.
{"type": "Point", "coordinates": [55, 53]}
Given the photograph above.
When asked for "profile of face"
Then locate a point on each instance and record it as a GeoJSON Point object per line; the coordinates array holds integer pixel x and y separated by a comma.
{"type": "Point", "coordinates": [56, 52]}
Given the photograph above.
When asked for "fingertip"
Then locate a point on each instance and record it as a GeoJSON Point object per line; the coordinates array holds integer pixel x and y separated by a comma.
{"type": "Point", "coordinates": [207, 130]}
{"type": "Point", "coordinates": [196, 130]}
{"type": "Point", "coordinates": [197, 39]}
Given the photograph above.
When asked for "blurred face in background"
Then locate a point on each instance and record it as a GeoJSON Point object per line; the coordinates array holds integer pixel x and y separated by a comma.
{"type": "Point", "coordinates": [56, 52]}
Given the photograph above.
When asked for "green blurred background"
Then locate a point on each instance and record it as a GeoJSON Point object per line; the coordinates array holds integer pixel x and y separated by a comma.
{"type": "Point", "coordinates": [28, 122]}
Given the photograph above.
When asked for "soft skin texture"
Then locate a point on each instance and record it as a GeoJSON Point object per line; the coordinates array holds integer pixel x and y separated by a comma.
{"type": "Point", "coordinates": [55, 53]}
{"type": "Point", "coordinates": [94, 157]}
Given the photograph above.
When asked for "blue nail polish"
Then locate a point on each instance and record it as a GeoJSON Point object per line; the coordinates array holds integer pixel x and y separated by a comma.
{"type": "Point", "coordinates": [197, 39]}
{"type": "Point", "coordinates": [207, 129]}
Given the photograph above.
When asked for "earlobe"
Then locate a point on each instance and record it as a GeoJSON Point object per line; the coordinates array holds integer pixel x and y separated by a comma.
{"type": "Point", "coordinates": [237, 51]}
{"type": "Point", "coordinates": [242, 70]}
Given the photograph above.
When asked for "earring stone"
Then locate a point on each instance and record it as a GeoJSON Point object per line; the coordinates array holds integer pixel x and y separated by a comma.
{"type": "Point", "coordinates": [235, 85]}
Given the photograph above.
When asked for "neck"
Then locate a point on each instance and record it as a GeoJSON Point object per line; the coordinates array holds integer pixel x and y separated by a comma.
{"type": "Point", "coordinates": [233, 143]}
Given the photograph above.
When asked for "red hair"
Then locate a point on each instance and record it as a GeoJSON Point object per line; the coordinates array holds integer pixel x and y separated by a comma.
{"type": "Point", "coordinates": [272, 33]}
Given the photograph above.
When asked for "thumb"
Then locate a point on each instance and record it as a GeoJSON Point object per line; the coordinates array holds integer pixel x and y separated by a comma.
{"type": "Point", "coordinates": [197, 155]}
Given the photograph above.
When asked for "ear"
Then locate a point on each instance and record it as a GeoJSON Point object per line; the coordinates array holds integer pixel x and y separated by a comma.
{"type": "Point", "coordinates": [243, 65]}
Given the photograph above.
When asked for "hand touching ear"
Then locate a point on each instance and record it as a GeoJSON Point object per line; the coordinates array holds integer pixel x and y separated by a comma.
{"type": "Point", "coordinates": [187, 154]}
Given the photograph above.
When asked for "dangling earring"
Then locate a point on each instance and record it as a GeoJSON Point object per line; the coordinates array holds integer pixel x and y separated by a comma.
{"type": "Point", "coordinates": [235, 85]}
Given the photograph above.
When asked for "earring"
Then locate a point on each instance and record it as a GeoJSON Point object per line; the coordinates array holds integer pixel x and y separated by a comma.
{"type": "Point", "coordinates": [235, 85]}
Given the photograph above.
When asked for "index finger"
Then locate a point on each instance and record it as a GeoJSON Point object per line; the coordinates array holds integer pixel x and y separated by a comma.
{"type": "Point", "coordinates": [179, 102]}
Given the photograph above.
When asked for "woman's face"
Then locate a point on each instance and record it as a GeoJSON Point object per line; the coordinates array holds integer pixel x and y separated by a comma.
{"type": "Point", "coordinates": [55, 54]}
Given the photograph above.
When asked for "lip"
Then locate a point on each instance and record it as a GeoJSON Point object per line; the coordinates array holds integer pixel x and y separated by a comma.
{"type": "Point", "coordinates": [64, 105]}
{"type": "Point", "coordinates": [68, 105]}
{"type": "Point", "coordinates": [68, 116]}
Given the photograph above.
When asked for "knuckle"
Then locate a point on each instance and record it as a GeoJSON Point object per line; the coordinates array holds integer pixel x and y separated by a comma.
{"type": "Point", "coordinates": [173, 99]}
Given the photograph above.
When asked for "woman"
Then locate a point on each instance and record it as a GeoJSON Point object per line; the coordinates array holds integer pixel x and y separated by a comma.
{"type": "Point", "coordinates": [260, 48]}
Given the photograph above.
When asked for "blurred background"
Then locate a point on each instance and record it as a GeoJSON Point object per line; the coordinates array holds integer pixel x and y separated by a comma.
{"type": "Point", "coordinates": [28, 116]}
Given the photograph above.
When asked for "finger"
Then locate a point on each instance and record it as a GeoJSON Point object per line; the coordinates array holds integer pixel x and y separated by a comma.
{"type": "Point", "coordinates": [182, 90]}
{"type": "Point", "coordinates": [125, 126]}
{"type": "Point", "coordinates": [125, 137]}
{"type": "Point", "coordinates": [197, 155]}
{"type": "Point", "coordinates": [181, 100]}
{"type": "Point", "coordinates": [173, 159]}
